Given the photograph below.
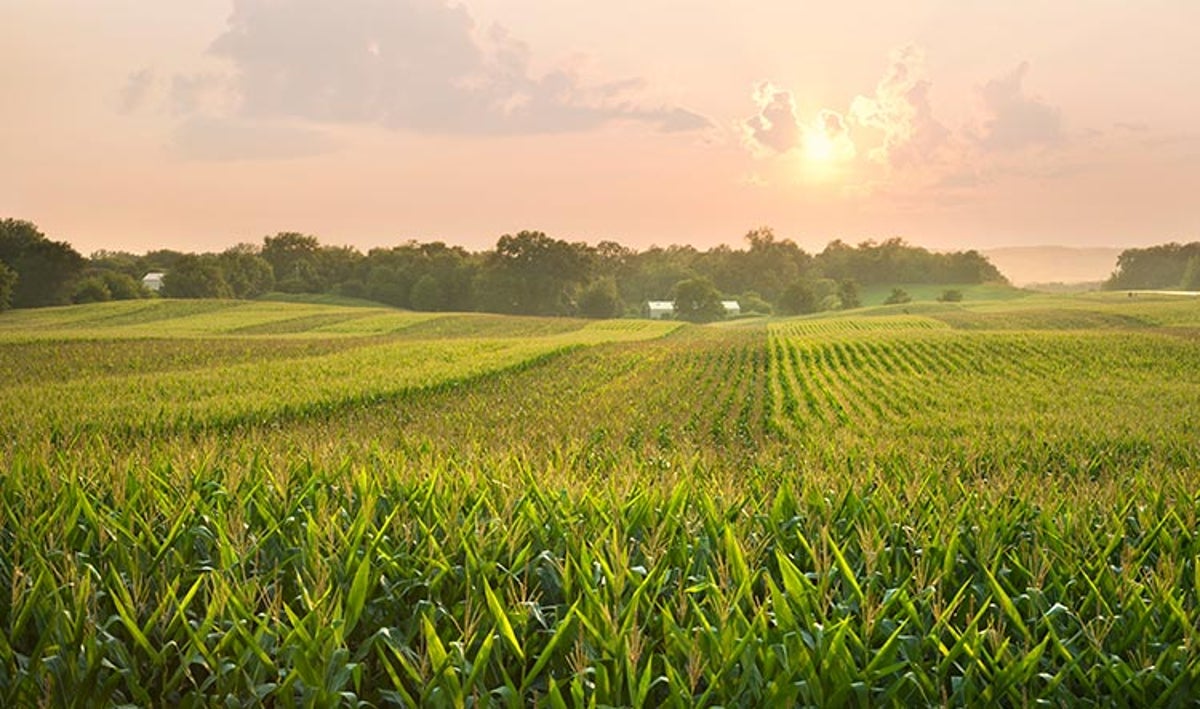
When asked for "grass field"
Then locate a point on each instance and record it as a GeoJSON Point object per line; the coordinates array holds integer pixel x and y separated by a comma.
{"type": "Point", "coordinates": [240, 503]}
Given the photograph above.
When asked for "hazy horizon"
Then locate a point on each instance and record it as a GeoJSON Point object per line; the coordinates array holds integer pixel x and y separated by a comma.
{"type": "Point", "coordinates": [371, 122]}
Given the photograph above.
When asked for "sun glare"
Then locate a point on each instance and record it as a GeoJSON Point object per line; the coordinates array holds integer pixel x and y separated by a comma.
{"type": "Point", "coordinates": [818, 147]}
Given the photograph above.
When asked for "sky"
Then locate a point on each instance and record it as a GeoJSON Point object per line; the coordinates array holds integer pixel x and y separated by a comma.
{"type": "Point", "coordinates": [136, 125]}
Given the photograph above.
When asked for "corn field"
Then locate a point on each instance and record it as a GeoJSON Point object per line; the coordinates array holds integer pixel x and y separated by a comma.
{"type": "Point", "coordinates": [249, 504]}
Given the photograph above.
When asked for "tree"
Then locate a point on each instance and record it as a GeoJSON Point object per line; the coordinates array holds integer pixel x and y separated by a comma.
{"type": "Point", "coordinates": [294, 261]}
{"type": "Point", "coordinates": [124, 262]}
{"type": "Point", "coordinates": [651, 274]}
{"type": "Point", "coordinates": [898, 296]}
{"type": "Point", "coordinates": [8, 279]}
{"type": "Point", "coordinates": [122, 286]}
{"type": "Point", "coordinates": [600, 300]}
{"type": "Point", "coordinates": [46, 270]}
{"type": "Point", "coordinates": [248, 274]}
{"type": "Point", "coordinates": [196, 277]}
{"type": "Point", "coordinates": [698, 300]}
{"type": "Point", "coordinates": [848, 294]}
{"type": "Point", "coordinates": [1163, 266]}
{"type": "Point", "coordinates": [533, 274]}
{"type": "Point", "coordinates": [427, 294]}
{"type": "Point", "coordinates": [1191, 275]}
{"type": "Point", "coordinates": [92, 289]}
{"type": "Point", "coordinates": [799, 298]}
{"type": "Point", "coordinates": [950, 295]}
{"type": "Point", "coordinates": [752, 302]}
{"type": "Point", "coordinates": [894, 261]}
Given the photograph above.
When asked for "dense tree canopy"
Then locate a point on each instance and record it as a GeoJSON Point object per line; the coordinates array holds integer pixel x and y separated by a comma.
{"type": "Point", "coordinates": [533, 274]}
{"type": "Point", "coordinates": [196, 277]}
{"type": "Point", "coordinates": [1167, 266]}
{"type": "Point", "coordinates": [894, 261]}
{"type": "Point", "coordinates": [46, 270]}
{"type": "Point", "coordinates": [8, 279]}
{"type": "Point", "coordinates": [698, 300]}
{"type": "Point", "coordinates": [527, 272]}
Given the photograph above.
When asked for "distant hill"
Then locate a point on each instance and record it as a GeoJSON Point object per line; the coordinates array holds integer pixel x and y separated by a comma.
{"type": "Point", "coordinates": [1053, 264]}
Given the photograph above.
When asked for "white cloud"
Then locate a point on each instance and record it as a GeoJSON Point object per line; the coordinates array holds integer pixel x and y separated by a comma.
{"type": "Point", "coordinates": [1013, 119]}
{"type": "Point", "coordinates": [417, 65]}
{"type": "Point", "coordinates": [776, 125]}
{"type": "Point", "coordinates": [900, 110]}
{"type": "Point", "coordinates": [421, 66]}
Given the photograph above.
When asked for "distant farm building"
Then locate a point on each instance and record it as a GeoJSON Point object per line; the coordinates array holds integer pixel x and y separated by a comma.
{"type": "Point", "coordinates": [665, 309]}
{"type": "Point", "coordinates": [152, 281]}
{"type": "Point", "coordinates": [660, 309]}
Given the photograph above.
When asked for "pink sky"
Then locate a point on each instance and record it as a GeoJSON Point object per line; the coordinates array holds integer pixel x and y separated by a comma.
{"type": "Point", "coordinates": [955, 124]}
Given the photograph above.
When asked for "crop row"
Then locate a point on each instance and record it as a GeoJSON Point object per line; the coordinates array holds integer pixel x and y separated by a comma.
{"type": "Point", "coordinates": [854, 515]}
{"type": "Point", "coordinates": [490, 585]}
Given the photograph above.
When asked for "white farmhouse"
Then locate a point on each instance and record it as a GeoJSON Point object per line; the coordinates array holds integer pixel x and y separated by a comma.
{"type": "Point", "coordinates": [660, 309]}
{"type": "Point", "coordinates": [152, 281]}
{"type": "Point", "coordinates": [732, 309]}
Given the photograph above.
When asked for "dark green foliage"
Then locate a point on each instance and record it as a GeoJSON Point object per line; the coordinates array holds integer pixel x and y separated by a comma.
{"type": "Point", "coordinates": [8, 279]}
{"type": "Point", "coordinates": [131, 265]}
{"type": "Point", "coordinates": [898, 296]}
{"type": "Point", "coordinates": [767, 266]}
{"type": "Point", "coordinates": [752, 302]}
{"type": "Point", "coordinates": [293, 259]}
{"type": "Point", "coordinates": [698, 300]}
{"type": "Point", "coordinates": [951, 295]}
{"type": "Point", "coordinates": [100, 285]}
{"type": "Point", "coordinates": [1191, 274]}
{"type": "Point", "coordinates": [800, 298]}
{"type": "Point", "coordinates": [848, 294]}
{"type": "Point", "coordinates": [46, 270]}
{"type": "Point", "coordinates": [1165, 266]}
{"type": "Point", "coordinates": [122, 286]}
{"type": "Point", "coordinates": [601, 300]}
{"type": "Point", "coordinates": [196, 277]}
{"type": "Point", "coordinates": [895, 261]}
{"type": "Point", "coordinates": [91, 289]}
{"type": "Point", "coordinates": [532, 274]}
{"type": "Point", "coordinates": [161, 260]}
{"type": "Point", "coordinates": [652, 274]}
{"type": "Point", "coordinates": [427, 294]}
{"type": "Point", "coordinates": [248, 274]}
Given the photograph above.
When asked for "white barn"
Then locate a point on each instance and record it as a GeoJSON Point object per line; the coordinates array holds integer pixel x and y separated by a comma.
{"type": "Point", "coordinates": [665, 309]}
{"type": "Point", "coordinates": [660, 309]}
{"type": "Point", "coordinates": [152, 281]}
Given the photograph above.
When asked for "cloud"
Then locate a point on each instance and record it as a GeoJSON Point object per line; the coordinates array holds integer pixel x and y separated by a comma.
{"type": "Point", "coordinates": [900, 110]}
{"type": "Point", "coordinates": [200, 95]}
{"type": "Point", "coordinates": [897, 120]}
{"type": "Point", "coordinates": [776, 125]}
{"type": "Point", "coordinates": [416, 65]}
{"type": "Point", "coordinates": [138, 88]}
{"type": "Point", "coordinates": [1014, 119]}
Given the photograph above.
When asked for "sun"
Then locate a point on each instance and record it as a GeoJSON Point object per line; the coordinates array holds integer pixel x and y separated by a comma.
{"type": "Point", "coordinates": [819, 148]}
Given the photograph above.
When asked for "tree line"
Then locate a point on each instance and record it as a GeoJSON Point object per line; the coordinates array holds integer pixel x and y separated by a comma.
{"type": "Point", "coordinates": [1170, 266]}
{"type": "Point", "coordinates": [525, 273]}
